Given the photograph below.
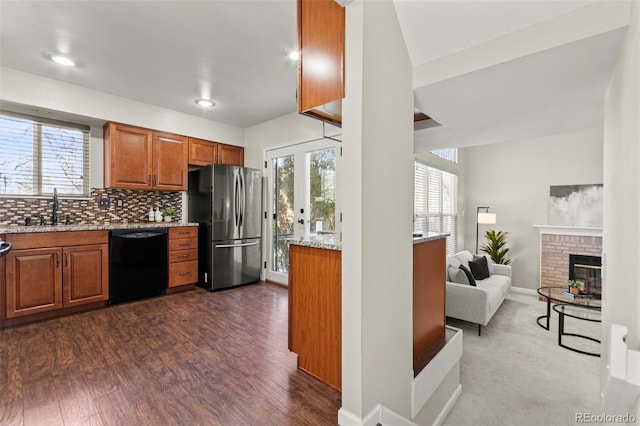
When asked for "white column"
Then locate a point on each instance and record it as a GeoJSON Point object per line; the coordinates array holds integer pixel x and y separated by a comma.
{"type": "Point", "coordinates": [377, 213]}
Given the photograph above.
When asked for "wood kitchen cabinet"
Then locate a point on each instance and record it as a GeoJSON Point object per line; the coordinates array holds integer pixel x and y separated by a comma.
{"type": "Point", "coordinates": [138, 158]}
{"type": "Point", "coordinates": [34, 281]}
{"type": "Point", "coordinates": [321, 41]}
{"type": "Point", "coordinates": [183, 257]}
{"type": "Point", "coordinates": [202, 153]}
{"type": "Point", "coordinates": [230, 154]}
{"type": "Point", "coordinates": [55, 270]}
{"type": "Point", "coordinates": [315, 311]}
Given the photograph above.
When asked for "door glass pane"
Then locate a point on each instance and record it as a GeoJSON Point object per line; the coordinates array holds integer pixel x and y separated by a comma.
{"type": "Point", "coordinates": [322, 190]}
{"type": "Point", "coordinates": [283, 223]}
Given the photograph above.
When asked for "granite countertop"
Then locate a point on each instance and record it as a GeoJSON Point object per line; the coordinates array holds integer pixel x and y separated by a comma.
{"type": "Point", "coordinates": [323, 241]}
{"type": "Point", "coordinates": [333, 242]}
{"type": "Point", "coordinates": [429, 236]}
{"type": "Point", "coordinates": [89, 227]}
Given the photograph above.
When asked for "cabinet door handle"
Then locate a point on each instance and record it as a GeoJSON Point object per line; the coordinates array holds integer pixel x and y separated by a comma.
{"type": "Point", "coordinates": [184, 274]}
{"type": "Point", "coordinates": [66, 259]}
{"type": "Point", "coordinates": [155, 180]}
{"type": "Point", "coordinates": [57, 260]}
{"type": "Point", "coordinates": [182, 256]}
{"type": "Point", "coordinates": [150, 181]}
{"type": "Point", "coordinates": [184, 244]}
{"type": "Point", "coordinates": [183, 232]}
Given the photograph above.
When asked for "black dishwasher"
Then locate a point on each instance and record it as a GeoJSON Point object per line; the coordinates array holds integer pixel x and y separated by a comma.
{"type": "Point", "coordinates": [137, 264]}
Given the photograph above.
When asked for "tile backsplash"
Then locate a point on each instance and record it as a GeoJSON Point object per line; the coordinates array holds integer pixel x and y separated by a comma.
{"type": "Point", "coordinates": [134, 209]}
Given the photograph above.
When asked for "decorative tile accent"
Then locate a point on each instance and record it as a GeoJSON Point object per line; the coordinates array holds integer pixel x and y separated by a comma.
{"type": "Point", "coordinates": [135, 207]}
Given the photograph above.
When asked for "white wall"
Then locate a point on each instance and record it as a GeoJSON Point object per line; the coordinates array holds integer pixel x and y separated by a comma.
{"type": "Point", "coordinates": [30, 89]}
{"type": "Point", "coordinates": [621, 241]}
{"type": "Point", "coordinates": [22, 91]}
{"type": "Point", "coordinates": [285, 130]}
{"type": "Point", "coordinates": [513, 179]}
{"type": "Point", "coordinates": [377, 214]}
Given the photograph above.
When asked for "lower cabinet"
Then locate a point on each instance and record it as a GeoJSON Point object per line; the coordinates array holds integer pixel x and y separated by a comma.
{"type": "Point", "coordinates": [315, 311]}
{"type": "Point", "coordinates": [85, 275]}
{"type": "Point", "coordinates": [34, 281]}
{"type": "Point", "coordinates": [46, 279]}
{"type": "Point", "coordinates": [183, 256]}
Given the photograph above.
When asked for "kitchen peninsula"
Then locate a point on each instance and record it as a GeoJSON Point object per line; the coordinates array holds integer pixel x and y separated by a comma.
{"type": "Point", "coordinates": [315, 308]}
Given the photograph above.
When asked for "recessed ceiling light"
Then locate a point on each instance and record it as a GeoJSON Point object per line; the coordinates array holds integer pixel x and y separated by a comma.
{"type": "Point", "coordinates": [63, 60]}
{"type": "Point", "coordinates": [205, 102]}
{"type": "Point", "coordinates": [294, 55]}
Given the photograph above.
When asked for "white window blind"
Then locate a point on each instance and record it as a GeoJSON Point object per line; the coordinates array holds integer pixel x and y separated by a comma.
{"type": "Point", "coordinates": [435, 203]}
{"type": "Point", "coordinates": [38, 155]}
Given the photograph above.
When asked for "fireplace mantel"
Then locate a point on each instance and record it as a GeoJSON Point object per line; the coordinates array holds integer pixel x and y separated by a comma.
{"type": "Point", "coordinates": [569, 230]}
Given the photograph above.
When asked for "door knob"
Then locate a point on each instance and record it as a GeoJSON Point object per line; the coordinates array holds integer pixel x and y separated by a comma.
{"type": "Point", "coordinates": [301, 221]}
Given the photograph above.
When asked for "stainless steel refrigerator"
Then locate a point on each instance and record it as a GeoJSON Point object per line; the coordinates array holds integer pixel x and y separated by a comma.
{"type": "Point", "coordinates": [226, 202]}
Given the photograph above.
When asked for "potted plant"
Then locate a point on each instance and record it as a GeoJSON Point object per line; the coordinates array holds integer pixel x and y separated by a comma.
{"type": "Point", "coordinates": [495, 246]}
{"type": "Point", "coordinates": [575, 286]}
{"type": "Point", "coordinates": [168, 213]}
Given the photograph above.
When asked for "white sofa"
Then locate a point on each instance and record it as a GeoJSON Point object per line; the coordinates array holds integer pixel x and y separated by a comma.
{"type": "Point", "coordinates": [477, 304]}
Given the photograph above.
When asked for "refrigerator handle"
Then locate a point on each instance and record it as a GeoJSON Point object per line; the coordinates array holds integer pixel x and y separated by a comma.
{"type": "Point", "coordinates": [242, 199]}
{"type": "Point", "coordinates": [235, 199]}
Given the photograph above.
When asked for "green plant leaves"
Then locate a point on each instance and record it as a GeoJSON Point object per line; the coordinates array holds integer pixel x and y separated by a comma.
{"type": "Point", "coordinates": [495, 247]}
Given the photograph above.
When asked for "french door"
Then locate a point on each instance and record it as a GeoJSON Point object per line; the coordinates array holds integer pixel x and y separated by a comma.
{"type": "Point", "coordinates": [302, 198]}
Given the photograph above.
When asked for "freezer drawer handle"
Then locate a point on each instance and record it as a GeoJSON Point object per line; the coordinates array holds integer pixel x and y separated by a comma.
{"type": "Point", "coordinates": [237, 245]}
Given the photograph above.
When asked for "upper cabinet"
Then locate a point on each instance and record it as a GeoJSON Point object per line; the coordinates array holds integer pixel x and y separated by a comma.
{"type": "Point", "coordinates": [170, 154]}
{"type": "Point", "coordinates": [321, 36]}
{"type": "Point", "coordinates": [230, 154]}
{"type": "Point", "coordinates": [202, 153]}
{"type": "Point", "coordinates": [137, 158]}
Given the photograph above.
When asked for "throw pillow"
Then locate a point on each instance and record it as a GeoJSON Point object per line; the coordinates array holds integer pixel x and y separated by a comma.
{"type": "Point", "coordinates": [490, 264]}
{"type": "Point", "coordinates": [457, 275]}
{"type": "Point", "coordinates": [469, 275]}
{"type": "Point", "coordinates": [479, 267]}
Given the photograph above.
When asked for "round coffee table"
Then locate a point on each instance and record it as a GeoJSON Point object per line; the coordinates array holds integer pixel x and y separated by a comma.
{"type": "Point", "coordinates": [569, 306]}
{"type": "Point", "coordinates": [555, 294]}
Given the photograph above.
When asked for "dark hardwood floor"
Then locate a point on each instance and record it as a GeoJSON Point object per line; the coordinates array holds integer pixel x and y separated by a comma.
{"type": "Point", "coordinates": [194, 358]}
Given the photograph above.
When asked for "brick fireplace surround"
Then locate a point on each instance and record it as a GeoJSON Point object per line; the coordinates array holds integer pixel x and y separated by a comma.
{"type": "Point", "coordinates": [557, 243]}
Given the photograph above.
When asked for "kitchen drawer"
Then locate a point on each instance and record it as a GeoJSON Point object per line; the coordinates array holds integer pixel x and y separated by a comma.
{"type": "Point", "coordinates": [182, 273]}
{"type": "Point", "coordinates": [183, 255]}
{"type": "Point", "coordinates": [183, 244]}
{"type": "Point", "coordinates": [183, 232]}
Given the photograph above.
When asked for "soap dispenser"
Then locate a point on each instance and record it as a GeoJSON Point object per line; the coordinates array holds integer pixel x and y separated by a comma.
{"type": "Point", "coordinates": [152, 215]}
{"type": "Point", "coordinates": [158, 215]}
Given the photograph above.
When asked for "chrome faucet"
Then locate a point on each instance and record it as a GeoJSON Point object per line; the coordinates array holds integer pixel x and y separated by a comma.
{"type": "Point", "coordinates": [56, 205]}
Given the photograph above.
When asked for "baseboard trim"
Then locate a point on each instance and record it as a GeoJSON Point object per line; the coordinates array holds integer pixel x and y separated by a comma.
{"type": "Point", "coordinates": [379, 415]}
{"type": "Point", "coordinates": [448, 406]}
{"type": "Point", "coordinates": [524, 291]}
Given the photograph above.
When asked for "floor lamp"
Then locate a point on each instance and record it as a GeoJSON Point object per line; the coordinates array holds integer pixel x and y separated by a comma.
{"type": "Point", "coordinates": [484, 218]}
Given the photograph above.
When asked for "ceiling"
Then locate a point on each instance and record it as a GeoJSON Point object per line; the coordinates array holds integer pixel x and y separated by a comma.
{"type": "Point", "coordinates": [165, 53]}
{"type": "Point", "coordinates": [168, 53]}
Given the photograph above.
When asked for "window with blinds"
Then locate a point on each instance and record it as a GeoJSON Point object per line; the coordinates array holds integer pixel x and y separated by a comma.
{"type": "Point", "coordinates": [38, 155]}
{"type": "Point", "coordinates": [435, 203]}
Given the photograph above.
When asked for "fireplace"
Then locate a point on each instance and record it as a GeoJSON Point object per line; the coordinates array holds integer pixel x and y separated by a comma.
{"type": "Point", "coordinates": [557, 243]}
{"type": "Point", "coordinates": [587, 269]}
